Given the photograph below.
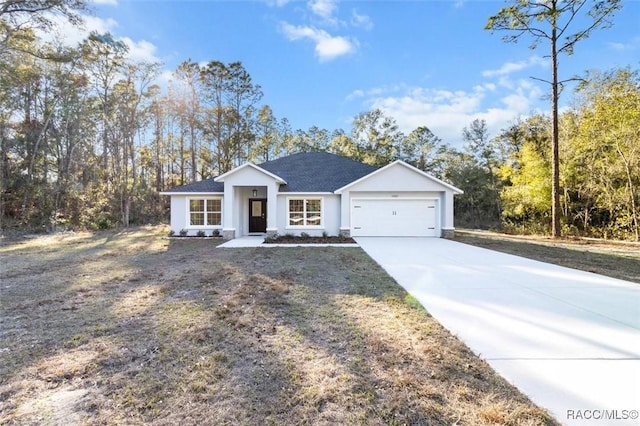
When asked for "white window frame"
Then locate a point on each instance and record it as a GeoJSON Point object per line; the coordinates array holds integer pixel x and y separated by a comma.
{"type": "Point", "coordinates": [304, 213]}
{"type": "Point", "coordinates": [206, 225]}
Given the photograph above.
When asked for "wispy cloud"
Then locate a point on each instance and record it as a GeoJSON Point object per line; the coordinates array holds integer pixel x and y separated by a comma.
{"type": "Point", "coordinates": [277, 3]}
{"type": "Point", "coordinates": [629, 46]}
{"type": "Point", "coordinates": [327, 46]}
{"type": "Point", "coordinates": [361, 21]}
{"type": "Point", "coordinates": [70, 35]}
{"type": "Point", "coordinates": [324, 8]}
{"type": "Point", "coordinates": [511, 67]}
{"type": "Point", "coordinates": [446, 112]}
{"type": "Point", "coordinates": [107, 2]}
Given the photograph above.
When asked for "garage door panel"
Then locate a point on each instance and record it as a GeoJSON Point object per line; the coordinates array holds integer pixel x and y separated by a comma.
{"type": "Point", "coordinates": [394, 217]}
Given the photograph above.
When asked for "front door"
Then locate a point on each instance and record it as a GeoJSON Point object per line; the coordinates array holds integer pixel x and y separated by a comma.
{"type": "Point", "coordinates": [257, 215]}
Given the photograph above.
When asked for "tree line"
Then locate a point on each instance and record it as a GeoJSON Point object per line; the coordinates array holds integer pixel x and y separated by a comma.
{"type": "Point", "coordinates": [88, 140]}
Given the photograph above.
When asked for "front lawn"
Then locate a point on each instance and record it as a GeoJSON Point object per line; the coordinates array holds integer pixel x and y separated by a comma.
{"type": "Point", "coordinates": [615, 259]}
{"type": "Point", "coordinates": [133, 328]}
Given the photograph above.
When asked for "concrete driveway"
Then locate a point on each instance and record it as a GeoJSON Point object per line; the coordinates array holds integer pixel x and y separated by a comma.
{"type": "Point", "coordinates": [568, 339]}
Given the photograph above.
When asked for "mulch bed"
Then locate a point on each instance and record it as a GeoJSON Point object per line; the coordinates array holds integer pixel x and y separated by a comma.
{"type": "Point", "coordinates": [289, 239]}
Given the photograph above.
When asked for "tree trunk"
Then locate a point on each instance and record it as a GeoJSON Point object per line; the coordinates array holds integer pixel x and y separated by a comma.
{"type": "Point", "coordinates": [632, 195]}
{"type": "Point", "coordinates": [556, 232]}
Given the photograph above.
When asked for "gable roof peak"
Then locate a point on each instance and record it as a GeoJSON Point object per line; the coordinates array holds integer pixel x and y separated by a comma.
{"type": "Point", "coordinates": [277, 178]}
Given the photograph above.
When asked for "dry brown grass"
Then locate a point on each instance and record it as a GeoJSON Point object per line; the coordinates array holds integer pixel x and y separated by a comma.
{"type": "Point", "coordinates": [133, 328]}
{"type": "Point", "coordinates": [611, 258]}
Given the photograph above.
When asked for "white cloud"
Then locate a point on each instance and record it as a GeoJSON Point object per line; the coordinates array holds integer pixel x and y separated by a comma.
{"type": "Point", "coordinates": [323, 8]}
{"type": "Point", "coordinates": [141, 51]}
{"type": "Point", "coordinates": [377, 91]}
{"type": "Point", "coordinates": [511, 67]}
{"type": "Point", "coordinates": [277, 3]}
{"type": "Point", "coordinates": [327, 47]}
{"type": "Point", "coordinates": [446, 112]}
{"type": "Point", "coordinates": [361, 21]}
{"type": "Point", "coordinates": [631, 45]}
{"type": "Point", "coordinates": [70, 35]}
{"type": "Point", "coordinates": [107, 2]}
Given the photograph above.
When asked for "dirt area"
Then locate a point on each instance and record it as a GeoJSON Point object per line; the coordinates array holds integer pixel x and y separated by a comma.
{"type": "Point", "coordinates": [615, 259]}
{"type": "Point", "coordinates": [136, 328]}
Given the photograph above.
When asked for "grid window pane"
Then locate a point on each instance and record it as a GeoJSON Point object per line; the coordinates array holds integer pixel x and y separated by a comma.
{"type": "Point", "coordinates": [313, 220]}
{"type": "Point", "coordinates": [313, 206]}
{"type": "Point", "coordinates": [214, 205]}
{"type": "Point", "coordinates": [296, 205]}
{"type": "Point", "coordinates": [197, 219]}
{"type": "Point", "coordinates": [296, 219]}
{"type": "Point", "coordinates": [196, 205]}
{"type": "Point", "coordinates": [214, 218]}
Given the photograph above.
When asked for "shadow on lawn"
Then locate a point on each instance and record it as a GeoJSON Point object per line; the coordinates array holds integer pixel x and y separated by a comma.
{"type": "Point", "coordinates": [150, 330]}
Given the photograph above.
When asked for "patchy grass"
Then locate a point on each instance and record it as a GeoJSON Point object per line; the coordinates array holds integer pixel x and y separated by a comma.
{"type": "Point", "coordinates": [133, 328]}
{"type": "Point", "coordinates": [613, 259]}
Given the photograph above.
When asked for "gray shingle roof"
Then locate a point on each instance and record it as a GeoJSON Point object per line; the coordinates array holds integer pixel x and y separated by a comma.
{"type": "Point", "coordinates": [316, 171]}
{"type": "Point", "coordinates": [303, 172]}
{"type": "Point", "coordinates": [207, 185]}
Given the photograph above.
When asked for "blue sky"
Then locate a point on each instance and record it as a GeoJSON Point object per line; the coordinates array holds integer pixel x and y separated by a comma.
{"type": "Point", "coordinates": [321, 62]}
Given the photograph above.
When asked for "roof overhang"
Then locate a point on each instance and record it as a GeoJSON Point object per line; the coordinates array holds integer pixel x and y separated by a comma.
{"type": "Point", "coordinates": [190, 193]}
{"type": "Point", "coordinates": [223, 176]}
{"type": "Point", "coordinates": [410, 167]}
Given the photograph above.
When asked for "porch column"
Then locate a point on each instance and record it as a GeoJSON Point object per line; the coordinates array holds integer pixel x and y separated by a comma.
{"type": "Point", "coordinates": [345, 214]}
{"type": "Point", "coordinates": [272, 208]}
{"type": "Point", "coordinates": [228, 230]}
{"type": "Point", "coordinates": [446, 213]}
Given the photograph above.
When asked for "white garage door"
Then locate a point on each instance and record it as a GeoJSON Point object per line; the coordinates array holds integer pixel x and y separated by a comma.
{"type": "Point", "coordinates": [394, 218]}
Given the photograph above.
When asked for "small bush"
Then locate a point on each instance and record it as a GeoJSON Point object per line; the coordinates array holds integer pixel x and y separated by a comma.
{"type": "Point", "coordinates": [270, 239]}
{"type": "Point", "coordinates": [201, 233]}
{"type": "Point", "coordinates": [325, 234]}
{"type": "Point", "coordinates": [183, 232]}
{"type": "Point", "coordinates": [172, 233]}
{"type": "Point", "coordinates": [215, 233]}
{"type": "Point", "coordinates": [304, 235]}
{"type": "Point", "coordinates": [105, 221]}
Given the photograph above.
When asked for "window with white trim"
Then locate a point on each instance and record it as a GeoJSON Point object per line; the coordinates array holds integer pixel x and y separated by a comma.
{"type": "Point", "coordinates": [305, 212]}
{"type": "Point", "coordinates": [205, 212]}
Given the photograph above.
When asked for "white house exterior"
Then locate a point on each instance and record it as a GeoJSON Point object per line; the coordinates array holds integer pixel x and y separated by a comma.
{"type": "Point", "coordinates": [316, 193]}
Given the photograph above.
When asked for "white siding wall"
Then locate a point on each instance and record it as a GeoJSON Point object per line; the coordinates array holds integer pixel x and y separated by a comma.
{"type": "Point", "coordinates": [397, 178]}
{"type": "Point", "coordinates": [180, 214]}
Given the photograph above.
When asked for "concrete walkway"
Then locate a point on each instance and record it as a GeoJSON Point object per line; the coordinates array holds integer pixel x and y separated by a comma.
{"type": "Point", "coordinates": [246, 241]}
{"type": "Point", "coordinates": [568, 339]}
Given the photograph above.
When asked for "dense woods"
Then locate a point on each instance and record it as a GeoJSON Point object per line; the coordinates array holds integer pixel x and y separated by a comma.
{"type": "Point", "coordinates": [88, 139]}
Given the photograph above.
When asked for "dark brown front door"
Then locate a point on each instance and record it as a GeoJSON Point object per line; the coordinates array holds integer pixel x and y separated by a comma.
{"type": "Point", "coordinates": [257, 215]}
